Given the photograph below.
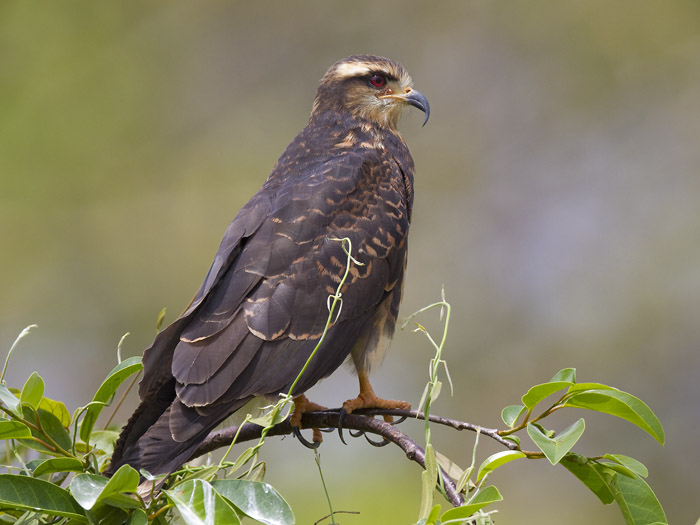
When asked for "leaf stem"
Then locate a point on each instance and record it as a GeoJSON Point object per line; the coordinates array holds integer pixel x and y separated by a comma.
{"type": "Point", "coordinates": [12, 348]}
{"type": "Point", "coordinates": [159, 511]}
{"type": "Point", "coordinates": [323, 482]}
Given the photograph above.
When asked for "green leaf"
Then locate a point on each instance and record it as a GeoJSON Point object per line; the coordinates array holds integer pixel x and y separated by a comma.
{"type": "Point", "coordinates": [621, 404]}
{"type": "Point", "coordinates": [432, 518]}
{"type": "Point", "coordinates": [496, 460]}
{"type": "Point", "coordinates": [160, 319]}
{"type": "Point", "coordinates": [33, 464]}
{"type": "Point", "coordinates": [565, 374]}
{"type": "Point", "coordinates": [258, 472]}
{"type": "Point", "coordinates": [598, 478]}
{"type": "Point", "coordinates": [511, 414]}
{"type": "Point", "coordinates": [14, 430]}
{"type": "Point", "coordinates": [638, 503]}
{"type": "Point", "coordinates": [206, 473]}
{"type": "Point", "coordinates": [429, 478]}
{"type": "Point", "coordinates": [107, 389]}
{"type": "Point", "coordinates": [57, 408]}
{"type": "Point", "coordinates": [426, 501]}
{"type": "Point", "coordinates": [50, 426]}
{"type": "Point", "coordinates": [257, 500]}
{"type": "Point", "coordinates": [88, 489]}
{"type": "Point", "coordinates": [276, 414]}
{"type": "Point", "coordinates": [549, 433]}
{"type": "Point", "coordinates": [121, 500]}
{"type": "Point", "coordinates": [54, 428]}
{"type": "Point", "coordinates": [25, 493]}
{"type": "Point", "coordinates": [515, 439]}
{"type": "Point", "coordinates": [557, 447]}
{"type": "Point", "coordinates": [636, 500]}
{"type": "Point", "coordinates": [539, 392]}
{"type": "Point", "coordinates": [242, 459]}
{"type": "Point", "coordinates": [632, 464]}
{"type": "Point", "coordinates": [126, 479]}
{"type": "Point", "coordinates": [483, 498]}
{"type": "Point", "coordinates": [199, 504]}
{"type": "Point", "coordinates": [138, 517]}
{"type": "Point", "coordinates": [424, 396]}
{"type": "Point", "coordinates": [58, 465]}
{"type": "Point", "coordinates": [104, 440]}
{"type": "Point", "coordinates": [448, 466]}
{"type": "Point", "coordinates": [619, 469]}
{"type": "Point", "coordinates": [106, 515]}
{"type": "Point", "coordinates": [32, 391]}
{"type": "Point", "coordinates": [581, 387]}
{"type": "Point", "coordinates": [8, 399]}
{"type": "Point", "coordinates": [435, 390]}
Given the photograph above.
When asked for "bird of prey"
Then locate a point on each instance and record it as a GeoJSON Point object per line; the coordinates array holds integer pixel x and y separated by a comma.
{"type": "Point", "coordinates": [263, 305]}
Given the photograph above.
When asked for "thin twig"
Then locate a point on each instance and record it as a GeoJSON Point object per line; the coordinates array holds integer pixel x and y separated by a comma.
{"type": "Point", "coordinates": [121, 400]}
{"type": "Point", "coordinates": [445, 421]}
{"type": "Point", "coordinates": [358, 420]}
{"type": "Point", "coordinates": [335, 512]}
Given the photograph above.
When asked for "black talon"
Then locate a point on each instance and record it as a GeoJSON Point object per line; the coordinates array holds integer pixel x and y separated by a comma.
{"type": "Point", "coordinates": [400, 420]}
{"type": "Point", "coordinates": [327, 430]}
{"type": "Point", "coordinates": [356, 433]}
{"type": "Point", "coordinates": [308, 444]}
{"type": "Point", "coordinates": [381, 443]}
{"type": "Point", "coordinates": [341, 416]}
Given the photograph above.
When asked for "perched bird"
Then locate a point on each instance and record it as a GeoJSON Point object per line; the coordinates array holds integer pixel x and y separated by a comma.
{"type": "Point", "coordinates": [263, 305]}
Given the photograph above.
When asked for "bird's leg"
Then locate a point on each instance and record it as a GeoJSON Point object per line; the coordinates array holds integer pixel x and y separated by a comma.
{"type": "Point", "coordinates": [301, 405]}
{"type": "Point", "coordinates": [368, 399]}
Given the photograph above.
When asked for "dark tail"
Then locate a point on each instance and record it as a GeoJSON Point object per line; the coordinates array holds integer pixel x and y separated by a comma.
{"type": "Point", "coordinates": [148, 441]}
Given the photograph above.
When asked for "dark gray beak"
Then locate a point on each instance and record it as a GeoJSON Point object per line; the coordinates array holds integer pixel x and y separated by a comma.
{"type": "Point", "coordinates": [417, 99]}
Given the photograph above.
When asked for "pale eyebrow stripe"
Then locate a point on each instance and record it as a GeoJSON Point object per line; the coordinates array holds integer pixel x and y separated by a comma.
{"type": "Point", "coordinates": [360, 69]}
{"type": "Point", "coordinates": [352, 69]}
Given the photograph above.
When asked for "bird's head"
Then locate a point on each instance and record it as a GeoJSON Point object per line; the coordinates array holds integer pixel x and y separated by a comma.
{"type": "Point", "coordinates": [370, 88]}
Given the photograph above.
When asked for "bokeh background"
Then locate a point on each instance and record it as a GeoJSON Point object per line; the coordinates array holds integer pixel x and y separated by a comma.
{"type": "Point", "coordinates": [557, 200]}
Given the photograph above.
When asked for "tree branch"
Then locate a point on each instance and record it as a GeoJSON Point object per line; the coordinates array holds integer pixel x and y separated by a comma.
{"type": "Point", "coordinates": [359, 420]}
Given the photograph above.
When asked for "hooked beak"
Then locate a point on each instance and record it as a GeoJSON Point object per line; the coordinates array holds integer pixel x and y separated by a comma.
{"type": "Point", "coordinates": [415, 98]}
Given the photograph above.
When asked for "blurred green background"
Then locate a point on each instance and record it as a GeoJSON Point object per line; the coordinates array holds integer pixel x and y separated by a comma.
{"type": "Point", "coordinates": [557, 199]}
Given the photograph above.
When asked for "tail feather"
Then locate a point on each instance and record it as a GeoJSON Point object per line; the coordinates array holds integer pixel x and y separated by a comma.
{"type": "Point", "coordinates": [147, 441]}
{"type": "Point", "coordinates": [156, 451]}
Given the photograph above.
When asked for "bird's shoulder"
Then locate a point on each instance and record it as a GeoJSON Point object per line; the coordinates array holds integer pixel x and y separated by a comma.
{"type": "Point", "coordinates": [337, 148]}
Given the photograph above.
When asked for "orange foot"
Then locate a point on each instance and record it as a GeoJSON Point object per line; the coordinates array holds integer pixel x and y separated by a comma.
{"type": "Point", "coordinates": [301, 405]}
{"type": "Point", "coordinates": [368, 399]}
{"type": "Point", "coordinates": [365, 400]}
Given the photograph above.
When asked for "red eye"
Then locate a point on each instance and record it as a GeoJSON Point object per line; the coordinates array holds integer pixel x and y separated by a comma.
{"type": "Point", "coordinates": [377, 81]}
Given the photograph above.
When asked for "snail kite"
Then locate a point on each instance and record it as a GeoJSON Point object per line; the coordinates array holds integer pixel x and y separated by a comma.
{"type": "Point", "coordinates": [263, 305]}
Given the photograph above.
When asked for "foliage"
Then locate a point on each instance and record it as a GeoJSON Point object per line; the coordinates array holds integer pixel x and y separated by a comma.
{"type": "Point", "coordinates": [41, 490]}
{"type": "Point", "coordinates": [611, 477]}
{"type": "Point", "coordinates": [39, 423]}
{"type": "Point", "coordinates": [54, 459]}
